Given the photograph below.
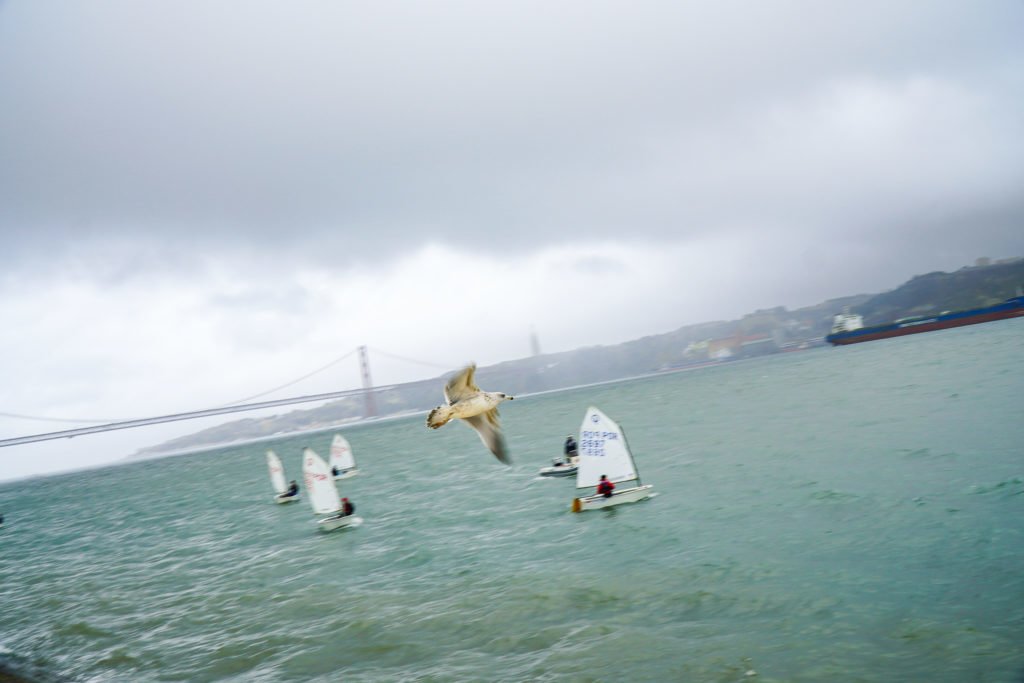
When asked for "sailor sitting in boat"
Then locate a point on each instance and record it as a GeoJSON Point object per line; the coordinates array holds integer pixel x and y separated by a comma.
{"type": "Point", "coordinates": [293, 489]}
{"type": "Point", "coordinates": [605, 487]}
{"type": "Point", "coordinates": [570, 452]}
{"type": "Point", "coordinates": [347, 508]}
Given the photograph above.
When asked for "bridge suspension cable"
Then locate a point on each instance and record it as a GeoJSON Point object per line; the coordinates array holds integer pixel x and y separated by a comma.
{"type": "Point", "coordinates": [233, 407]}
{"type": "Point", "coordinates": [98, 420]}
{"type": "Point", "coordinates": [294, 381]}
{"type": "Point", "coordinates": [128, 424]}
{"type": "Point", "coordinates": [413, 360]}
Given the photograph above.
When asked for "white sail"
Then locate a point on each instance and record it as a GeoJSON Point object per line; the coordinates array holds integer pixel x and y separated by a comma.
{"type": "Point", "coordinates": [276, 473]}
{"type": "Point", "coordinates": [341, 454]}
{"type": "Point", "coordinates": [320, 488]}
{"type": "Point", "coordinates": [603, 450]}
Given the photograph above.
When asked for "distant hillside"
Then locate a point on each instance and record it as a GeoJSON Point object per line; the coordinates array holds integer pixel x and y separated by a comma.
{"type": "Point", "coordinates": [759, 333]}
{"type": "Point", "coordinates": [931, 293]}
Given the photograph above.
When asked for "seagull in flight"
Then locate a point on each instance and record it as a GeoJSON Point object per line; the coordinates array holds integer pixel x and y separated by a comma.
{"type": "Point", "coordinates": [463, 399]}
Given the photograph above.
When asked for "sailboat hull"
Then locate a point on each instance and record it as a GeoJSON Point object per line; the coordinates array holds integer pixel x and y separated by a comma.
{"type": "Point", "coordinates": [347, 474]}
{"type": "Point", "coordinates": [281, 499]}
{"type": "Point", "coordinates": [336, 522]}
{"type": "Point", "coordinates": [620, 496]}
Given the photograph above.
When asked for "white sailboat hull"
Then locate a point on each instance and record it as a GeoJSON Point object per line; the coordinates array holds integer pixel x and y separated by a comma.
{"type": "Point", "coordinates": [336, 522]}
{"type": "Point", "coordinates": [281, 499]}
{"type": "Point", "coordinates": [618, 497]}
{"type": "Point", "coordinates": [347, 474]}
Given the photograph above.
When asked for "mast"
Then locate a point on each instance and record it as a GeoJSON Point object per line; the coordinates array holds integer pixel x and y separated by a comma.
{"type": "Point", "coordinates": [631, 458]}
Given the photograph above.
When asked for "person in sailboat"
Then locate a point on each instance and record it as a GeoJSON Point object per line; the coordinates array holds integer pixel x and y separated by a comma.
{"type": "Point", "coordinates": [605, 487]}
{"type": "Point", "coordinates": [293, 489]}
{"type": "Point", "coordinates": [347, 508]}
{"type": "Point", "coordinates": [335, 471]}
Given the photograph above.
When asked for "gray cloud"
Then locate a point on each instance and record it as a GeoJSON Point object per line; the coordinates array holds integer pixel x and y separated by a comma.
{"type": "Point", "coordinates": [215, 198]}
{"type": "Point", "coordinates": [375, 129]}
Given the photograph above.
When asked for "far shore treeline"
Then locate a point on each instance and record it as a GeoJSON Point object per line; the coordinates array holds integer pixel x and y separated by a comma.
{"type": "Point", "coordinates": [762, 332]}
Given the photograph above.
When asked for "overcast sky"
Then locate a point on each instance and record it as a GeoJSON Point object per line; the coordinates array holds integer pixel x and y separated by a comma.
{"type": "Point", "coordinates": [200, 201]}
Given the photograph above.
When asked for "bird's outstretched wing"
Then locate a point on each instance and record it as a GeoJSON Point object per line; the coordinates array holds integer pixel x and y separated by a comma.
{"type": "Point", "coordinates": [489, 429]}
{"type": "Point", "coordinates": [461, 385]}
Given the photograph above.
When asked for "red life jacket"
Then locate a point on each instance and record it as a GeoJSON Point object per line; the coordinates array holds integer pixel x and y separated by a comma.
{"type": "Point", "coordinates": [605, 487]}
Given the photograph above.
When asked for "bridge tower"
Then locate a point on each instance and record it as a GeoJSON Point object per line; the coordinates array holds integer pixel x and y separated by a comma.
{"type": "Point", "coordinates": [364, 367]}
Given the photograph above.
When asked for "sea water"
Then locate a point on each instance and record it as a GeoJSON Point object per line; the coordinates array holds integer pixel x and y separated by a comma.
{"type": "Point", "coordinates": [839, 514]}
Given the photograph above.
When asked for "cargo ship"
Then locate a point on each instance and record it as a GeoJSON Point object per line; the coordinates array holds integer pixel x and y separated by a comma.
{"type": "Point", "coordinates": [848, 328]}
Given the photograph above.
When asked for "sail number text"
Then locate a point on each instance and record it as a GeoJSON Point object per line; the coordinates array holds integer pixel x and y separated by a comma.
{"type": "Point", "coordinates": [592, 442]}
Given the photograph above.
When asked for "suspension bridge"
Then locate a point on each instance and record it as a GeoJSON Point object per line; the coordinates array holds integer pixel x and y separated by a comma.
{"type": "Point", "coordinates": [367, 391]}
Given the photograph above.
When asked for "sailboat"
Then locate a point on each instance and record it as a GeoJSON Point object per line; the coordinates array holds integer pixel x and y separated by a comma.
{"type": "Point", "coordinates": [323, 493]}
{"type": "Point", "coordinates": [343, 463]}
{"type": "Point", "coordinates": [277, 479]}
{"type": "Point", "coordinates": [604, 451]}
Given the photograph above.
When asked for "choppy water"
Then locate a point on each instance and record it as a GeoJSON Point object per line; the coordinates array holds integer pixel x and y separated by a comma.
{"type": "Point", "coordinates": [851, 514]}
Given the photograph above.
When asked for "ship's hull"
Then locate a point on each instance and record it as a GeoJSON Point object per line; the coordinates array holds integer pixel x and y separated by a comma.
{"type": "Point", "coordinates": [1012, 308]}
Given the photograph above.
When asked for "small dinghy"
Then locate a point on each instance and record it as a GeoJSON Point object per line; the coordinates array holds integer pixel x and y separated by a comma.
{"type": "Point", "coordinates": [343, 462]}
{"type": "Point", "coordinates": [561, 468]}
{"type": "Point", "coordinates": [323, 493]}
{"type": "Point", "coordinates": [277, 480]}
{"type": "Point", "coordinates": [604, 451]}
